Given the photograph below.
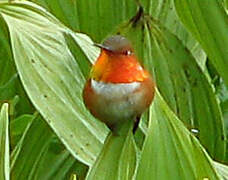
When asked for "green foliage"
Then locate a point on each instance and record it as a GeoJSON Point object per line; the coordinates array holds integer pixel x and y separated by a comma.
{"type": "Point", "coordinates": [96, 18]}
{"type": "Point", "coordinates": [4, 142]}
{"type": "Point", "coordinates": [53, 61]}
{"type": "Point", "coordinates": [208, 31]}
{"type": "Point", "coordinates": [169, 142]}
{"type": "Point", "coordinates": [40, 70]}
{"type": "Point", "coordinates": [181, 82]}
{"type": "Point", "coordinates": [118, 157]}
{"type": "Point", "coordinates": [38, 150]}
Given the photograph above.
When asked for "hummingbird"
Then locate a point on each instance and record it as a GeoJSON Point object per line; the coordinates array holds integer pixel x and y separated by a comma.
{"type": "Point", "coordinates": [118, 87]}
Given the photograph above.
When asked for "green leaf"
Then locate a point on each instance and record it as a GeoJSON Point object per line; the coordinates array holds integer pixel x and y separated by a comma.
{"type": "Point", "coordinates": [13, 93]}
{"type": "Point", "coordinates": [96, 18]}
{"type": "Point", "coordinates": [4, 143]}
{"type": "Point", "coordinates": [207, 21]}
{"type": "Point", "coordinates": [5, 54]}
{"type": "Point", "coordinates": [170, 150]}
{"type": "Point", "coordinates": [181, 82]}
{"type": "Point", "coordinates": [10, 87]}
{"type": "Point", "coordinates": [222, 169]}
{"type": "Point", "coordinates": [38, 150]}
{"type": "Point", "coordinates": [86, 59]}
{"type": "Point", "coordinates": [118, 157]}
{"type": "Point", "coordinates": [31, 148]}
{"type": "Point", "coordinates": [17, 128]}
{"type": "Point", "coordinates": [164, 12]}
{"type": "Point", "coordinates": [52, 78]}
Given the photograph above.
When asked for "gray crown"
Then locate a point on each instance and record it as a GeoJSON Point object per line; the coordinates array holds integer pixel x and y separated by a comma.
{"type": "Point", "coordinates": [117, 44]}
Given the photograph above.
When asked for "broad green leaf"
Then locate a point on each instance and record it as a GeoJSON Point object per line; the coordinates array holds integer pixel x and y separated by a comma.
{"type": "Point", "coordinates": [181, 82]}
{"type": "Point", "coordinates": [40, 155]}
{"type": "Point", "coordinates": [17, 128]}
{"type": "Point", "coordinates": [221, 91]}
{"type": "Point", "coordinates": [207, 21]}
{"type": "Point", "coordinates": [7, 69]}
{"type": "Point", "coordinates": [170, 150]}
{"type": "Point", "coordinates": [97, 18]}
{"type": "Point", "coordinates": [52, 78]}
{"type": "Point", "coordinates": [222, 169]}
{"type": "Point", "coordinates": [86, 59]}
{"type": "Point", "coordinates": [86, 46]}
{"type": "Point", "coordinates": [164, 12]}
{"type": "Point", "coordinates": [4, 143]}
{"type": "Point", "coordinates": [117, 160]}
{"type": "Point", "coordinates": [10, 85]}
{"type": "Point", "coordinates": [27, 153]}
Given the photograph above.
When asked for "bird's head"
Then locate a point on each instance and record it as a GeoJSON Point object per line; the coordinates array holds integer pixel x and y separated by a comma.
{"type": "Point", "coordinates": [117, 62]}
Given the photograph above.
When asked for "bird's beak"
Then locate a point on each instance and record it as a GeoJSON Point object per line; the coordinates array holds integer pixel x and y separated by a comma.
{"type": "Point", "coordinates": [101, 46]}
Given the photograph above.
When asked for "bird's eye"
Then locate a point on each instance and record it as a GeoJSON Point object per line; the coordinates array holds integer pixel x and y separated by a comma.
{"type": "Point", "coordinates": [128, 52]}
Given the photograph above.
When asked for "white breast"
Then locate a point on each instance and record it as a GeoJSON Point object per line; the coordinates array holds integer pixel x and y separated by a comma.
{"type": "Point", "coordinates": [115, 90]}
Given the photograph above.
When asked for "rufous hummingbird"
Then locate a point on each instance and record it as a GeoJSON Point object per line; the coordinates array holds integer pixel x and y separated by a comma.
{"type": "Point", "coordinates": [118, 88]}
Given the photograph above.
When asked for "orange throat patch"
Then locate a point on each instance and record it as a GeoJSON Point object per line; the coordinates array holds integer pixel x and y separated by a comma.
{"type": "Point", "coordinates": [118, 68]}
